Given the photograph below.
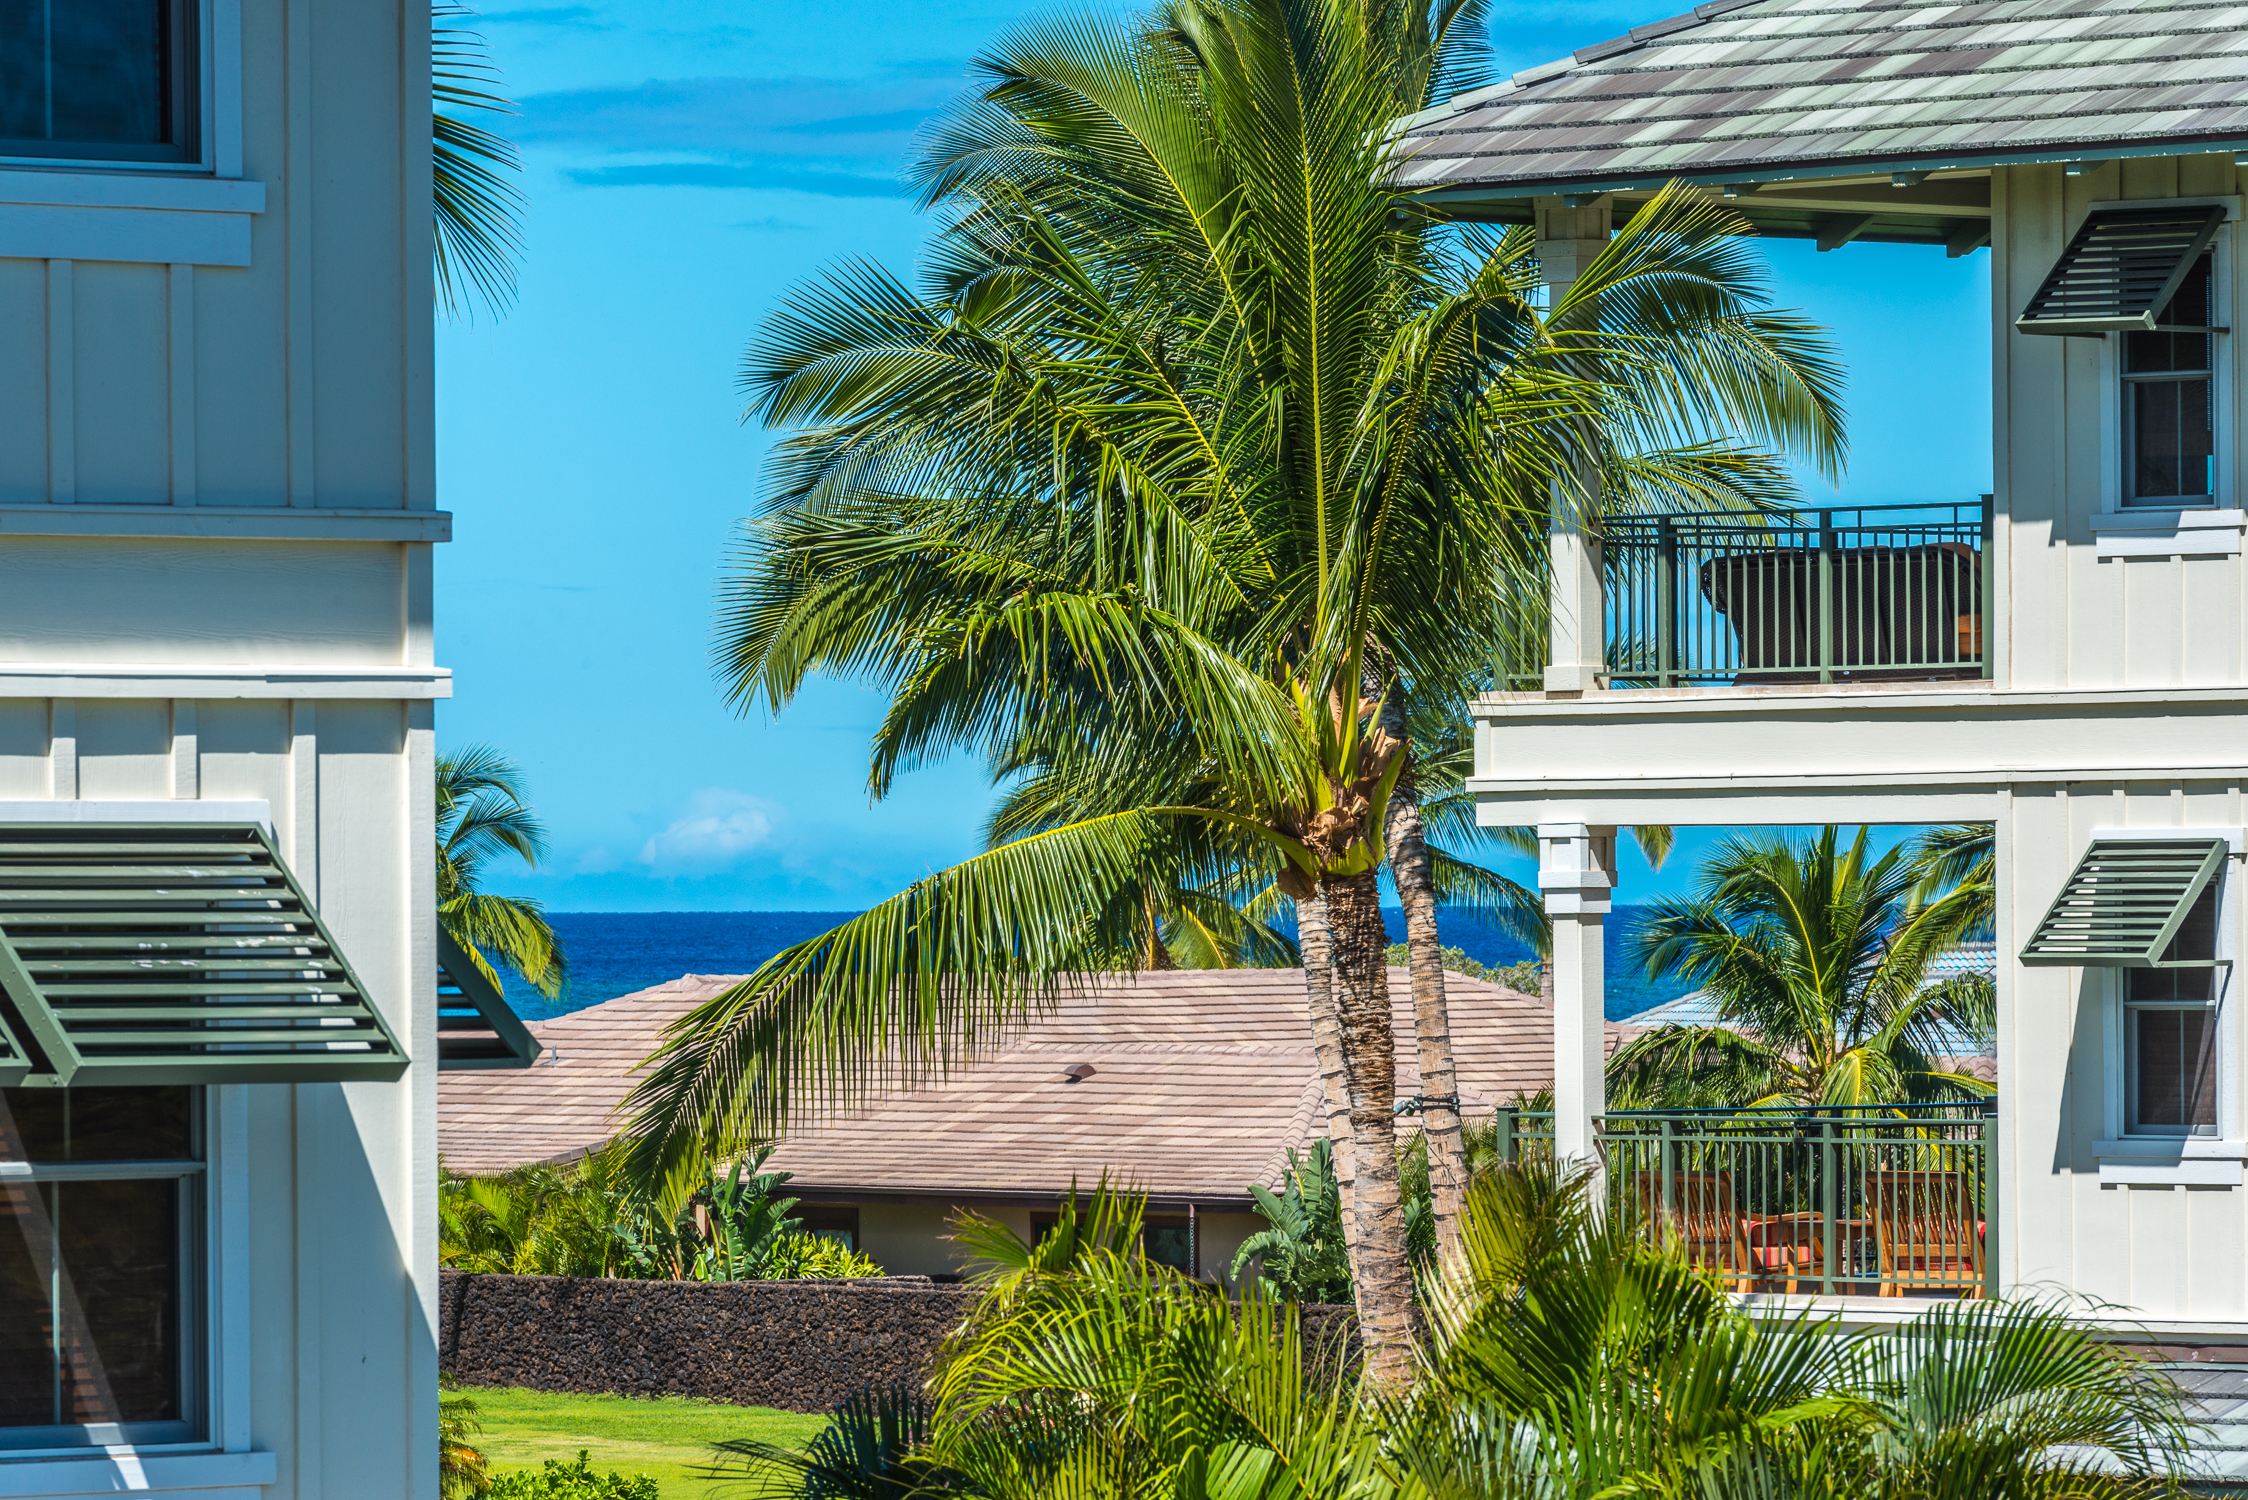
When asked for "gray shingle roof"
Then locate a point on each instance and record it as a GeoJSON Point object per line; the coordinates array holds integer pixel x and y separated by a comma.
{"type": "Point", "coordinates": [1763, 90]}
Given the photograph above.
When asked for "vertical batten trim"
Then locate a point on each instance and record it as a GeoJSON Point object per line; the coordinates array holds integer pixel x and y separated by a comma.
{"type": "Point", "coordinates": [187, 771]}
{"type": "Point", "coordinates": [418, 1027]}
{"type": "Point", "coordinates": [416, 604]}
{"type": "Point", "coordinates": [226, 88]}
{"type": "Point", "coordinates": [297, 192]}
{"type": "Point", "coordinates": [182, 384]}
{"type": "Point", "coordinates": [230, 1214]}
{"type": "Point", "coordinates": [304, 796]}
{"type": "Point", "coordinates": [62, 385]}
{"type": "Point", "coordinates": [62, 749]}
{"type": "Point", "coordinates": [313, 1188]}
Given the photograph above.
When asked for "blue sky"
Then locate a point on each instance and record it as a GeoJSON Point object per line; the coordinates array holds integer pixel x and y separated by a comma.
{"type": "Point", "coordinates": [686, 164]}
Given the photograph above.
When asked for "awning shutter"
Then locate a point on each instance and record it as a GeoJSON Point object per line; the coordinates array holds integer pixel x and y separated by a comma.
{"type": "Point", "coordinates": [2120, 270]}
{"type": "Point", "coordinates": [476, 1028]}
{"type": "Point", "coordinates": [175, 953]}
{"type": "Point", "coordinates": [2123, 904]}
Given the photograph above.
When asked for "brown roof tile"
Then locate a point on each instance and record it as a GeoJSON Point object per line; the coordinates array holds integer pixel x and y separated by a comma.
{"type": "Point", "coordinates": [1202, 1080]}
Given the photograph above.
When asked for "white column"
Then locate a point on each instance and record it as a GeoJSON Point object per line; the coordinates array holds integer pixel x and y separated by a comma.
{"type": "Point", "coordinates": [1575, 865]}
{"type": "Point", "coordinates": [1568, 238]}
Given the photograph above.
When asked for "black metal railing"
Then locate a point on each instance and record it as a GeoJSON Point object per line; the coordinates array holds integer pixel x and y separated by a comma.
{"type": "Point", "coordinates": [1893, 1201]}
{"type": "Point", "coordinates": [1847, 594]}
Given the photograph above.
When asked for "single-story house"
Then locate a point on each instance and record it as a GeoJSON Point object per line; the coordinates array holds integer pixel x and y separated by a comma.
{"type": "Point", "coordinates": [1189, 1084]}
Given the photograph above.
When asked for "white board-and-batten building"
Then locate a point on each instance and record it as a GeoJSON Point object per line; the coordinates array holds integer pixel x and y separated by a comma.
{"type": "Point", "coordinates": [218, 951]}
{"type": "Point", "coordinates": [2066, 658]}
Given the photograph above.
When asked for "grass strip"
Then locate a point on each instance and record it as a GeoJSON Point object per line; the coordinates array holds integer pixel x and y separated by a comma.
{"type": "Point", "coordinates": [670, 1437]}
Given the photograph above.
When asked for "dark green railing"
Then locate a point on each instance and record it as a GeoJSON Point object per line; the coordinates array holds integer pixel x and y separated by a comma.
{"type": "Point", "coordinates": [1846, 594]}
{"type": "Point", "coordinates": [1892, 1201]}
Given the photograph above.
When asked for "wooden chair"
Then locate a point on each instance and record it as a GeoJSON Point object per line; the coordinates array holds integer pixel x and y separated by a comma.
{"type": "Point", "coordinates": [1787, 1251]}
{"type": "Point", "coordinates": [1928, 1227]}
{"type": "Point", "coordinates": [1703, 1218]}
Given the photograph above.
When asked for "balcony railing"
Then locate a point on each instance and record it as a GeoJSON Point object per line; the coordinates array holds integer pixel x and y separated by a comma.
{"type": "Point", "coordinates": [1889, 1202]}
{"type": "Point", "coordinates": [1858, 594]}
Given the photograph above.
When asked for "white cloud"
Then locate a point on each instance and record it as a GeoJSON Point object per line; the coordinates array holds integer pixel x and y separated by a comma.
{"type": "Point", "coordinates": [718, 828]}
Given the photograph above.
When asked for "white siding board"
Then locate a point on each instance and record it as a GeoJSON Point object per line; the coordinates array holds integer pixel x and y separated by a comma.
{"type": "Point", "coordinates": [23, 747]}
{"type": "Point", "coordinates": [122, 367]}
{"type": "Point", "coordinates": [131, 600]}
{"type": "Point", "coordinates": [23, 381]}
{"type": "Point", "coordinates": [124, 748]}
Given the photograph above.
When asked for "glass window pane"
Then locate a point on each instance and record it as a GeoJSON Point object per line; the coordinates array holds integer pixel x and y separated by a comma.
{"type": "Point", "coordinates": [2188, 308]}
{"type": "Point", "coordinates": [2173, 438]}
{"type": "Point", "coordinates": [90, 72]}
{"type": "Point", "coordinates": [90, 1303]}
{"type": "Point", "coordinates": [126, 1124]}
{"type": "Point", "coordinates": [1169, 1245]}
{"type": "Point", "coordinates": [2173, 1069]}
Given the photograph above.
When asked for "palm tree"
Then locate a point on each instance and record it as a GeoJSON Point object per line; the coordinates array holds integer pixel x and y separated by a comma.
{"type": "Point", "coordinates": [1818, 959]}
{"type": "Point", "coordinates": [481, 814]}
{"type": "Point", "coordinates": [477, 234]}
{"type": "Point", "coordinates": [1957, 866]}
{"type": "Point", "coordinates": [1201, 441]}
{"type": "Point", "coordinates": [1569, 1355]}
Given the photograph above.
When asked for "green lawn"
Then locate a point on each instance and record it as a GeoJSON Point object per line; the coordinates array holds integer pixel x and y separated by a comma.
{"type": "Point", "coordinates": [667, 1436]}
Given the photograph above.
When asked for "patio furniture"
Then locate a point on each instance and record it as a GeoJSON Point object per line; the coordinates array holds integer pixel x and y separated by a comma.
{"type": "Point", "coordinates": [1929, 1228]}
{"type": "Point", "coordinates": [1700, 1214]}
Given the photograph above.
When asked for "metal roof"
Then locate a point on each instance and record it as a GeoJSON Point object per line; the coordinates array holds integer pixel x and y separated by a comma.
{"type": "Point", "coordinates": [1765, 91]}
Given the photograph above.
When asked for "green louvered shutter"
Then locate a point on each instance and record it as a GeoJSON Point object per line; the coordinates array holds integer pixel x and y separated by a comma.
{"type": "Point", "coordinates": [141, 953]}
{"type": "Point", "coordinates": [2120, 270]}
{"type": "Point", "coordinates": [2123, 904]}
{"type": "Point", "coordinates": [476, 1027]}
{"type": "Point", "coordinates": [15, 1063]}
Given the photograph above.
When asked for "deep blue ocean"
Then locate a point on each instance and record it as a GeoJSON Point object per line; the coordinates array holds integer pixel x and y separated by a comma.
{"type": "Point", "coordinates": [616, 953]}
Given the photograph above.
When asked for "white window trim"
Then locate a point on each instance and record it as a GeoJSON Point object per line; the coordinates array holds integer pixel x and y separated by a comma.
{"type": "Point", "coordinates": [2161, 531]}
{"type": "Point", "coordinates": [2174, 1160]}
{"type": "Point", "coordinates": [221, 1461]}
{"type": "Point", "coordinates": [165, 213]}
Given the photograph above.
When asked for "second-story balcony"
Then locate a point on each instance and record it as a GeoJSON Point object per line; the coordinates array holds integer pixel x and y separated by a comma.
{"type": "Point", "coordinates": [1859, 594]}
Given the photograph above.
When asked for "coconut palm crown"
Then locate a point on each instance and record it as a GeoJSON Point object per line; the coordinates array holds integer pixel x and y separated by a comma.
{"type": "Point", "coordinates": [1819, 961]}
{"type": "Point", "coordinates": [1200, 443]}
{"type": "Point", "coordinates": [482, 814]}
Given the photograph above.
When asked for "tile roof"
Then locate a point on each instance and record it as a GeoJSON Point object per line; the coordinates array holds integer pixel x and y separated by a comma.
{"type": "Point", "coordinates": [1202, 1079]}
{"type": "Point", "coordinates": [1762, 89]}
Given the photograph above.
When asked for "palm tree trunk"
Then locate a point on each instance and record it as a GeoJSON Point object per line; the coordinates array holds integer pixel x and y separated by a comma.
{"type": "Point", "coordinates": [1317, 946]}
{"type": "Point", "coordinates": [1378, 1264]}
{"type": "Point", "coordinates": [1413, 869]}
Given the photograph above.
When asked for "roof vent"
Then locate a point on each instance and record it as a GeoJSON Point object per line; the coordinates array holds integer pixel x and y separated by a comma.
{"type": "Point", "coordinates": [1077, 1072]}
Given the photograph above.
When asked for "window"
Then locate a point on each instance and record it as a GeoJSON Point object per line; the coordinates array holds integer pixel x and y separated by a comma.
{"type": "Point", "coordinates": [837, 1222]}
{"type": "Point", "coordinates": [101, 1215]}
{"type": "Point", "coordinates": [2169, 398]}
{"type": "Point", "coordinates": [1166, 1241]}
{"type": "Point", "coordinates": [100, 80]}
{"type": "Point", "coordinates": [2170, 1033]}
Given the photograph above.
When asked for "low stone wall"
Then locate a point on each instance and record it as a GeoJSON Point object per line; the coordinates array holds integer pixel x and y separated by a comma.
{"type": "Point", "coordinates": [796, 1345]}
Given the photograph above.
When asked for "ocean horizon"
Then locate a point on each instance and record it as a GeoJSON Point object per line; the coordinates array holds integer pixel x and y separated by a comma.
{"type": "Point", "coordinates": [619, 953]}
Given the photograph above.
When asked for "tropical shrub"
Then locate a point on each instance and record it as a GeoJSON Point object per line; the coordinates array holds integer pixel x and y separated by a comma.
{"type": "Point", "coordinates": [1565, 1355]}
{"type": "Point", "coordinates": [595, 1220]}
{"type": "Point", "coordinates": [461, 1469]}
{"type": "Point", "coordinates": [556, 1480]}
{"type": "Point", "coordinates": [1300, 1255]}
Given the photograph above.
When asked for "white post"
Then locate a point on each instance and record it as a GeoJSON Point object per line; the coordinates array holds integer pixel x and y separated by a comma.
{"type": "Point", "coordinates": [1568, 238]}
{"type": "Point", "coordinates": [1575, 874]}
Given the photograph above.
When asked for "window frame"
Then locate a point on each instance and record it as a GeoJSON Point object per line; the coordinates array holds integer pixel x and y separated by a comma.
{"type": "Point", "coordinates": [214, 1349]}
{"type": "Point", "coordinates": [2115, 384]}
{"type": "Point", "coordinates": [191, 118]}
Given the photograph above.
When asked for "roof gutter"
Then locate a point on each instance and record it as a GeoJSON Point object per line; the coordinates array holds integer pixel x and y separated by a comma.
{"type": "Point", "coordinates": [1769, 174]}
